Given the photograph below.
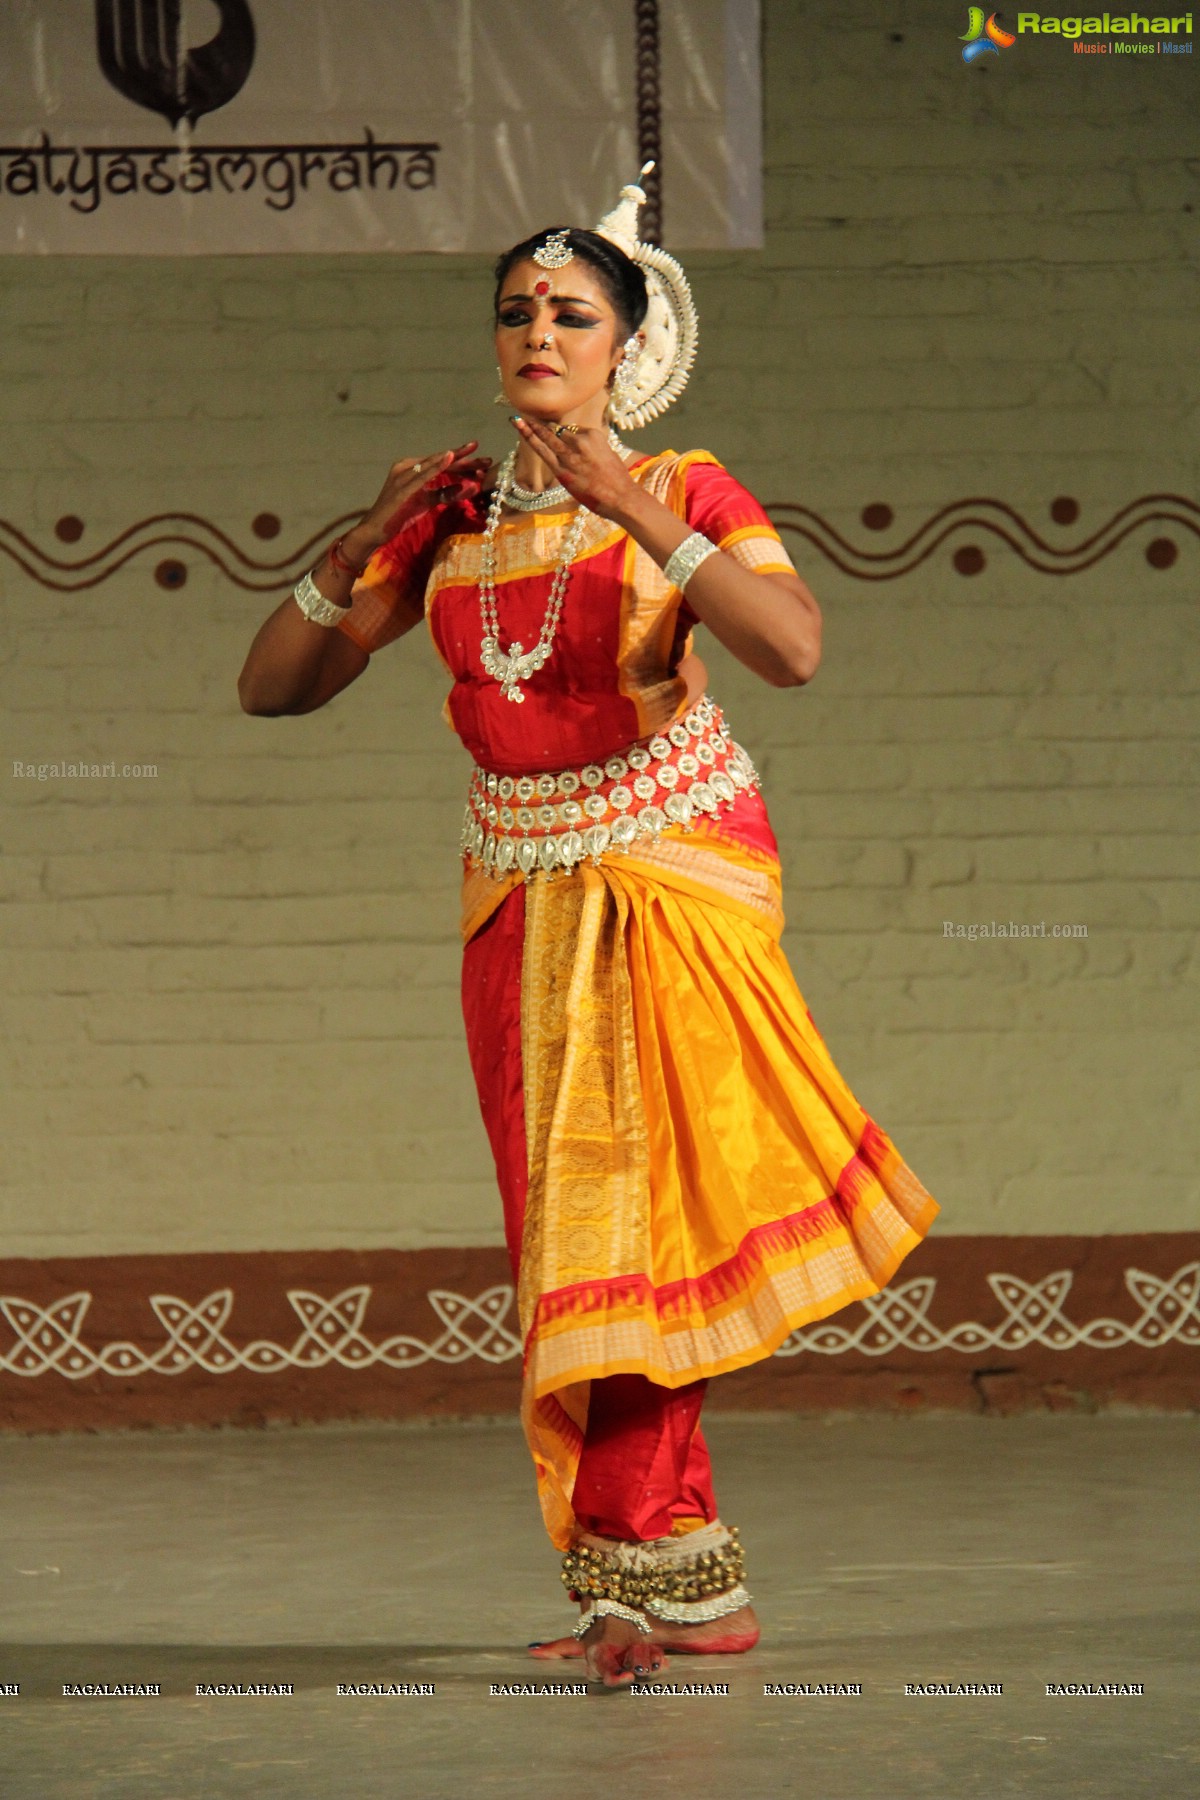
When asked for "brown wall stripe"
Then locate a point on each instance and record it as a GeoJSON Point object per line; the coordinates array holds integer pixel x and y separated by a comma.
{"type": "Point", "coordinates": [961, 520]}
{"type": "Point", "coordinates": [986, 1324]}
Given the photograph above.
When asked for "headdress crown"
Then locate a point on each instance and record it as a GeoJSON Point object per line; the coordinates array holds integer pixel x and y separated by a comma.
{"type": "Point", "coordinates": [660, 372]}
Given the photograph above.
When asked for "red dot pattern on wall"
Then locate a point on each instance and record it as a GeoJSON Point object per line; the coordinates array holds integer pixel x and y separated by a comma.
{"type": "Point", "coordinates": [962, 535]}
{"type": "Point", "coordinates": [972, 533]}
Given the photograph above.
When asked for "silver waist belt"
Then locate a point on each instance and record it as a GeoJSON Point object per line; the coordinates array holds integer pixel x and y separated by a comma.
{"type": "Point", "coordinates": [540, 823]}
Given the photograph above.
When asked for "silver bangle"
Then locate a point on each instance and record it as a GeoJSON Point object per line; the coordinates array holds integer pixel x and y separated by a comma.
{"type": "Point", "coordinates": [612, 1609]}
{"type": "Point", "coordinates": [314, 605]}
{"type": "Point", "coordinates": [682, 564]}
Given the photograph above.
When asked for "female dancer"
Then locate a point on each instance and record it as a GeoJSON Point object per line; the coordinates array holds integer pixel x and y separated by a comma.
{"type": "Point", "coordinates": [685, 1176]}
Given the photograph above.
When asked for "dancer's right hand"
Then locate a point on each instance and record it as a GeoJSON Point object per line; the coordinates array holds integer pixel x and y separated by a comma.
{"type": "Point", "coordinates": [409, 492]}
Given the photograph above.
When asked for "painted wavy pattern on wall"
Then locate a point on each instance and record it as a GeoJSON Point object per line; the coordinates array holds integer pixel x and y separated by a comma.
{"type": "Point", "coordinates": [979, 521]}
{"type": "Point", "coordinates": [170, 538]}
{"type": "Point", "coordinates": [48, 1339]}
{"type": "Point", "coordinates": [963, 532]}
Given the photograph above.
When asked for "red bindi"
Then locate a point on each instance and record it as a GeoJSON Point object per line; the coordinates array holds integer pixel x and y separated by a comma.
{"type": "Point", "coordinates": [541, 287]}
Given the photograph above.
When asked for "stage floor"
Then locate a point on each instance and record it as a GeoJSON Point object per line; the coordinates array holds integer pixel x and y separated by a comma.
{"type": "Point", "coordinates": [882, 1552]}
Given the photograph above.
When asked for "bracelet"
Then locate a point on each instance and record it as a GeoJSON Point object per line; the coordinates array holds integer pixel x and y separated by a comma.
{"type": "Point", "coordinates": [339, 562]}
{"type": "Point", "coordinates": [611, 1609]}
{"type": "Point", "coordinates": [314, 605]}
{"type": "Point", "coordinates": [682, 563]}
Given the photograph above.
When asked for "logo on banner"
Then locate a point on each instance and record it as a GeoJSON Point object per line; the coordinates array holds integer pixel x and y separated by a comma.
{"type": "Point", "coordinates": [142, 51]}
{"type": "Point", "coordinates": [141, 55]}
{"type": "Point", "coordinates": [984, 38]}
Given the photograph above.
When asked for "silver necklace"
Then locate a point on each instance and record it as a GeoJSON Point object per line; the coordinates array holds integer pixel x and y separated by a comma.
{"type": "Point", "coordinates": [525, 499]}
{"type": "Point", "coordinates": [517, 664]}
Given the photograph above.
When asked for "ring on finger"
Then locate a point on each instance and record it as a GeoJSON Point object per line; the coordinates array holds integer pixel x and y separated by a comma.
{"type": "Point", "coordinates": [416, 468]}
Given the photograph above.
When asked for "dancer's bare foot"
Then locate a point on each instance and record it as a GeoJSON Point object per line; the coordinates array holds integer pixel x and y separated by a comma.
{"type": "Point", "coordinates": [736, 1632]}
{"type": "Point", "coordinates": [730, 1636]}
{"type": "Point", "coordinates": [614, 1652]}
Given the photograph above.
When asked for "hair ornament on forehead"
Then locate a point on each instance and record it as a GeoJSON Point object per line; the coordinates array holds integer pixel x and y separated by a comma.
{"type": "Point", "coordinates": [659, 373]}
{"type": "Point", "coordinates": [554, 252]}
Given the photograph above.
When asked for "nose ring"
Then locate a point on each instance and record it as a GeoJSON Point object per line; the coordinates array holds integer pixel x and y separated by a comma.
{"type": "Point", "coordinates": [545, 343]}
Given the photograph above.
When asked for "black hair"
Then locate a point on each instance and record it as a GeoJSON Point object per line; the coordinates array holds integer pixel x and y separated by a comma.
{"type": "Point", "coordinates": [623, 282]}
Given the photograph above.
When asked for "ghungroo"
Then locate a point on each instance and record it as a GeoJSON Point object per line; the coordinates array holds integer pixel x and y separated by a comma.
{"type": "Point", "coordinates": [683, 1580]}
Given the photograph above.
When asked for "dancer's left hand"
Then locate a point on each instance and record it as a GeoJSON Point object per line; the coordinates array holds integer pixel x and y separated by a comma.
{"type": "Point", "coordinates": [585, 463]}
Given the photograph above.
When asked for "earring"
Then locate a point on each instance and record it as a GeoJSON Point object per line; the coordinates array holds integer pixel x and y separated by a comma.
{"type": "Point", "coordinates": [625, 375]}
{"type": "Point", "coordinates": [500, 399]}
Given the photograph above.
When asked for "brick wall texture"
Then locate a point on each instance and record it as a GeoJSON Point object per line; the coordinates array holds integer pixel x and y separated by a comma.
{"type": "Point", "coordinates": [230, 993]}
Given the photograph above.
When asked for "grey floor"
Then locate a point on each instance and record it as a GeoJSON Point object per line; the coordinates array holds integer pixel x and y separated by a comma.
{"type": "Point", "coordinates": [940, 1549]}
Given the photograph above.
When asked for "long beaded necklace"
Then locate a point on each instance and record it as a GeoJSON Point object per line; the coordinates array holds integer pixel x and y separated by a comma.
{"type": "Point", "coordinates": [517, 664]}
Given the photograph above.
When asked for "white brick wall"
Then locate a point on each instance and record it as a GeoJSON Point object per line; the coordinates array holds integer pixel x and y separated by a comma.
{"type": "Point", "coordinates": [231, 990]}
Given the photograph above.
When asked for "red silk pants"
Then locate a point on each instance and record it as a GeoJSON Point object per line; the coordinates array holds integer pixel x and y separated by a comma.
{"type": "Point", "coordinates": [644, 1463]}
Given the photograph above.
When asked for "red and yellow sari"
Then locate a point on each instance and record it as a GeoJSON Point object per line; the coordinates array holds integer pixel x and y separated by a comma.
{"type": "Point", "coordinates": [686, 1177]}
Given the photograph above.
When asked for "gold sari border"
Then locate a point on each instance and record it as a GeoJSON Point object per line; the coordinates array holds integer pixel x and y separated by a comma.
{"type": "Point", "coordinates": [745, 1335]}
{"type": "Point", "coordinates": [717, 870]}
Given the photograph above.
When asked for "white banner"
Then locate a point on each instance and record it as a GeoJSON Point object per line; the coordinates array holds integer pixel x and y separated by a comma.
{"type": "Point", "coordinates": [162, 127]}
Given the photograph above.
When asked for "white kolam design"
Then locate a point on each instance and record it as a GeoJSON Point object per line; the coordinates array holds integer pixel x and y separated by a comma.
{"type": "Point", "coordinates": [49, 1340]}
{"type": "Point", "coordinates": [898, 1318]}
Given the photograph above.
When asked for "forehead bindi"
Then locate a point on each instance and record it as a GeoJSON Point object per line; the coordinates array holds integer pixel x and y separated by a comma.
{"type": "Point", "coordinates": [572, 286]}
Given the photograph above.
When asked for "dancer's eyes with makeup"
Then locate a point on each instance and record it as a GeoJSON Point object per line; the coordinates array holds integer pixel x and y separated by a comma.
{"type": "Point", "coordinates": [519, 316]}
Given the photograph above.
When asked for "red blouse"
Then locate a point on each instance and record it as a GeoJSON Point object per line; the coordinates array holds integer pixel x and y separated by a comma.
{"type": "Point", "coordinates": [613, 674]}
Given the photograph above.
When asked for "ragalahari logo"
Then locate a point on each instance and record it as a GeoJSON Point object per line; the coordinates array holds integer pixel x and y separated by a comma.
{"type": "Point", "coordinates": [984, 38]}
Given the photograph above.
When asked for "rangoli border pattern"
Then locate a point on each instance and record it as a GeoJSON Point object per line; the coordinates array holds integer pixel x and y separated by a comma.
{"type": "Point", "coordinates": [174, 535]}
{"type": "Point", "coordinates": [48, 1338]}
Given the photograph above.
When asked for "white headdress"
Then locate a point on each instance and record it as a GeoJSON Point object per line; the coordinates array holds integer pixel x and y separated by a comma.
{"type": "Point", "coordinates": [658, 374]}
